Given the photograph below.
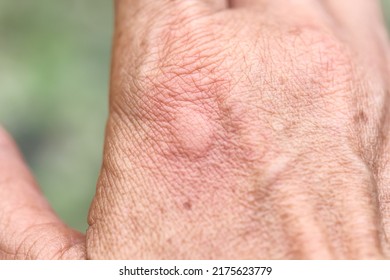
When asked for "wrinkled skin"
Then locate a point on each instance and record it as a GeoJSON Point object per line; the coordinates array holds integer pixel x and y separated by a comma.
{"type": "Point", "coordinates": [242, 130]}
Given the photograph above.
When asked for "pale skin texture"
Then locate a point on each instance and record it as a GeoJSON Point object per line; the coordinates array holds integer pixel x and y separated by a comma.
{"type": "Point", "coordinates": [242, 129]}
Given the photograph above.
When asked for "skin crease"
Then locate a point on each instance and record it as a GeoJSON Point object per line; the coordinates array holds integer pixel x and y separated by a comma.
{"type": "Point", "coordinates": [241, 129]}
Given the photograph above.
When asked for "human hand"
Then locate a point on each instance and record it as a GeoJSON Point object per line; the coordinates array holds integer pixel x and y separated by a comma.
{"type": "Point", "coordinates": [258, 131]}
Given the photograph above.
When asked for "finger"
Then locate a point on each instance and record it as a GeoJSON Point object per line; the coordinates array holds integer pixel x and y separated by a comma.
{"type": "Point", "coordinates": [280, 3]}
{"type": "Point", "coordinates": [382, 166]}
{"type": "Point", "coordinates": [162, 6]}
{"type": "Point", "coordinates": [145, 29]}
{"type": "Point", "coordinates": [354, 12]}
{"type": "Point", "coordinates": [362, 26]}
{"type": "Point", "coordinates": [141, 16]}
{"type": "Point", "coordinates": [29, 228]}
{"type": "Point", "coordinates": [362, 19]}
{"type": "Point", "coordinates": [359, 17]}
{"type": "Point", "coordinates": [383, 187]}
{"type": "Point", "coordinates": [292, 11]}
{"type": "Point", "coordinates": [144, 14]}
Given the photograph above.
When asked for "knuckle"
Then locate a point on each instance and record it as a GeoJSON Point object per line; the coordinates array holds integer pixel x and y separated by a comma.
{"type": "Point", "coordinates": [40, 241]}
{"type": "Point", "coordinates": [311, 75]}
{"type": "Point", "coordinates": [322, 58]}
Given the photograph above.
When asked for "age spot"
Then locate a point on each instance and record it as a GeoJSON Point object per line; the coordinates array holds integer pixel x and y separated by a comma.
{"type": "Point", "coordinates": [360, 117]}
{"type": "Point", "coordinates": [187, 205]}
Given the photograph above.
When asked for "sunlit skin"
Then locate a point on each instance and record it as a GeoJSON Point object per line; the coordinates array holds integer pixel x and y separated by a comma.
{"type": "Point", "coordinates": [241, 129]}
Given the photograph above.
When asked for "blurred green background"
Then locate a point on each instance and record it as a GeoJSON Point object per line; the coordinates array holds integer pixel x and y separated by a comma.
{"type": "Point", "coordinates": [54, 74]}
{"type": "Point", "coordinates": [54, 69]}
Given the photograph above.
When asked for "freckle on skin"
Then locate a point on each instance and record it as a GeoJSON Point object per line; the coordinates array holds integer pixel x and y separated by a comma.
{"type": "Point", "coordinates": [360, 117]}
{"type": "Point", "coordinates": [187, 205]}
{"type": "Point", "coordinates": [193, 131]}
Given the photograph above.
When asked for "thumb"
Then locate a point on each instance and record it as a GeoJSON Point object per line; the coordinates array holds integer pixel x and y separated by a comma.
{"type": "Point", "coordinates": [29, 227]}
